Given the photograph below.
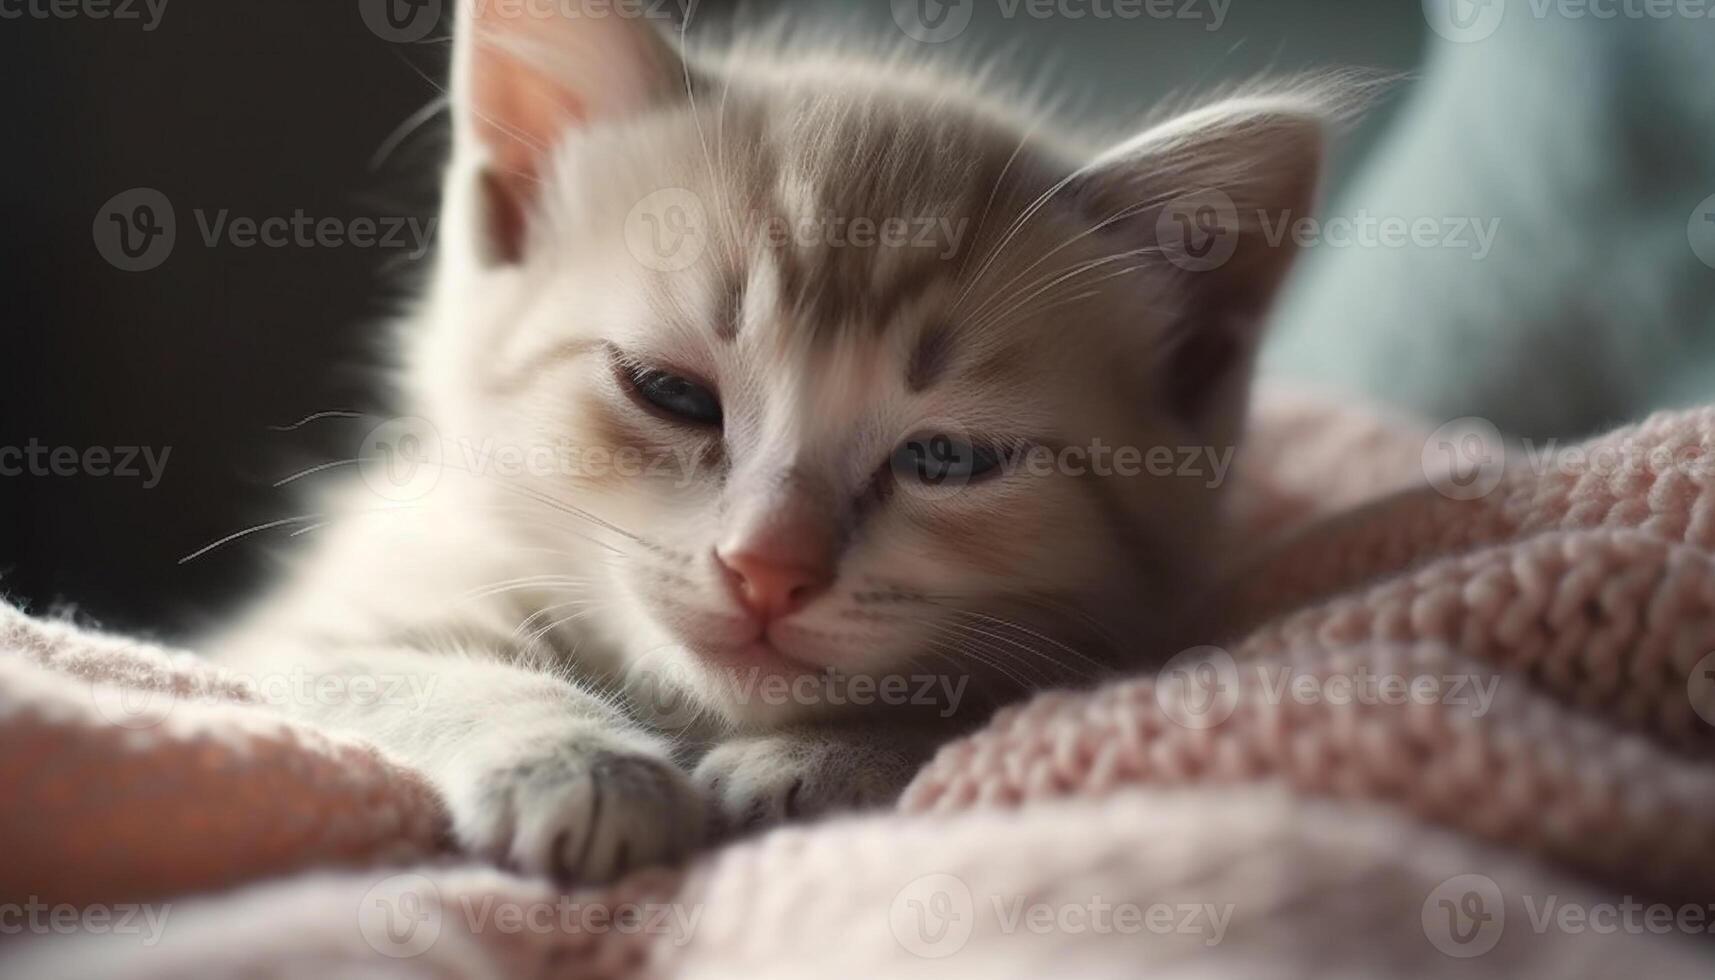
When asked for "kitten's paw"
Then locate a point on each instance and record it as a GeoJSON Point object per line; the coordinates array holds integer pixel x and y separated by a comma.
{"type": "Point", "coordinates": [579, 814]}
{"type": "Point", "coordinates": [761, 781]}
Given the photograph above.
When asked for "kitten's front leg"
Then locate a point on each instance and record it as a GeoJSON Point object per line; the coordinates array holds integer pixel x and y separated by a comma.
{"type": "Point", "coordinates": [537, 774]}
{"type": "Point", "coordinates": [761, 780]}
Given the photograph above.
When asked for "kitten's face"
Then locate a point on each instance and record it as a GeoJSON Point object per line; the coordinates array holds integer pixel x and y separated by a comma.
{"type": "Point", "coordinates": [805, 447]}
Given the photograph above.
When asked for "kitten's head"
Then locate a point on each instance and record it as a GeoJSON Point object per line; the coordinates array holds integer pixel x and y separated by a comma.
{"type": "Point", "coordinates": [834, 364]}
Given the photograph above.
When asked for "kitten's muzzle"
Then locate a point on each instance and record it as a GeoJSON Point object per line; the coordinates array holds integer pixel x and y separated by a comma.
{"type": "Point", "coordinates": [771, 589]}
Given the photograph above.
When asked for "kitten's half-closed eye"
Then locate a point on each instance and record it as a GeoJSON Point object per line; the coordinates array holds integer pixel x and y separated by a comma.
{"type": "Point", "coordinates": [934, 458]}
{"type": "Point", "coordinates": [674, 396]}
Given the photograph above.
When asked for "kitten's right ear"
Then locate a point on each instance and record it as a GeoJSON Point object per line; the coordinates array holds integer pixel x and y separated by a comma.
{"type": "Point", "coordinates": [524, 74]}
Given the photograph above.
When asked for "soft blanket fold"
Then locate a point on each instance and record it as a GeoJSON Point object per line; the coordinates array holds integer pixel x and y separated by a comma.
{"type": "Point", "coordinates": [1432, 726]}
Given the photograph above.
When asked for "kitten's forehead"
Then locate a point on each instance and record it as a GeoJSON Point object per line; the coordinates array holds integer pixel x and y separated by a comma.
{"type": "Point", "coordinates": [861, 219]}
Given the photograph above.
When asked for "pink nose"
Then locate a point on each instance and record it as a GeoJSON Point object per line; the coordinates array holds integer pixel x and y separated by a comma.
{"type": "Point", "coordinates": [769, 588]}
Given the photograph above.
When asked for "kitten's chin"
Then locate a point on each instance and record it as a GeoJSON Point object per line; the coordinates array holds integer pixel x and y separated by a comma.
{"type": "Point", "coordinates": [758, 686]}
{"type": "Point", "coordinates": [758, 657]}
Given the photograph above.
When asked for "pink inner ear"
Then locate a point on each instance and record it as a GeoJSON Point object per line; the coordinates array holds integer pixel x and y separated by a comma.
{"type": "Point", "coordinates": [520, 111]}
{"type": "Point", "coordinates": [531, 78]}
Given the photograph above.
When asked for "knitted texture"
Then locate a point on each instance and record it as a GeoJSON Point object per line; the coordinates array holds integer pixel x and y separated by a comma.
{"type": "Point", "coordinates": [130, 773]}
{"type": "Point", "coordinates": [1408, 691]}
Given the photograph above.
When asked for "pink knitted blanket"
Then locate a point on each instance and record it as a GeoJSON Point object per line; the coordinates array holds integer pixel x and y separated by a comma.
{"type": "Point", "coordinates": [1459, 721]}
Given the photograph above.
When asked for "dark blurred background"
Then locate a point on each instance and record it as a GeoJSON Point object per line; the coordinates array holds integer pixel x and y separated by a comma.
{"type": "Point", "coordinates": [269, 109]}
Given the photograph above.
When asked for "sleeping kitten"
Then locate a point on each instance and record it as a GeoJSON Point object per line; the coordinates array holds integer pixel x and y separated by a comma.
{"type": "Point", "coordinates": [774, 374]}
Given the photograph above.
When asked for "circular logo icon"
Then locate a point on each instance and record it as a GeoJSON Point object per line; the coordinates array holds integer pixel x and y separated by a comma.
{"type": "Point", "coordinates": [658, 685]}
{"type": "Point", "coordinates": [1465, 459]}
{"type": "Point", "coordinates": [135, 230]}
{"type": "Point", "coordinates": [400, 459]}
{"type": "Point", "coordinates": [1199, 687]}
{"type": "Point", "coordinates": [935, 459]}
{"type": "Point", "coordinates": [1464, 21]}
{"type": "Point", "coordinates": [1199, 232]}
{"type": "Point", "coordinates": [933, 916]}
{"type": "Point", "coordinates": [1700, 687]}
{"type": "Point", "coordinates": [1701, 232]}
{"type": "Point", "coordinates": [400, 21]}
{"type": "Point", "coordinates": [136, 708]}
{"type": "Point", "coordinates": [1465, 915]}
{"type": "Point", "coordinates": [401, 916]}
{"type": "Point", "coordinates": [668, 230]}
{"type": "Point", "coordinates": [933, 21]}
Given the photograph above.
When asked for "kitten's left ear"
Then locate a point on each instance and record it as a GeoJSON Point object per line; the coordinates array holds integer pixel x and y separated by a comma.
{"type": "Point", "coordinates": [524, 74]}
{"type": "Point", "coordinates": [1208, 197]}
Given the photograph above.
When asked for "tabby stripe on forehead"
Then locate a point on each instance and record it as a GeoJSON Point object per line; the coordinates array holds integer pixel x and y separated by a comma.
{"type": "Point", "coordinates": [831, 290]}
{"type": "Point", "coordinates": [731, 312]}
{"type": "Point", "coordinates": [928, 358]}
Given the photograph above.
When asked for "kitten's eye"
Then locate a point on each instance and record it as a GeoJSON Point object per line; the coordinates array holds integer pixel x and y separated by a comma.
{"type": "Point", "coordinates": [681, 398]}
{"type": "Point", "coordinates": [936, 458]}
